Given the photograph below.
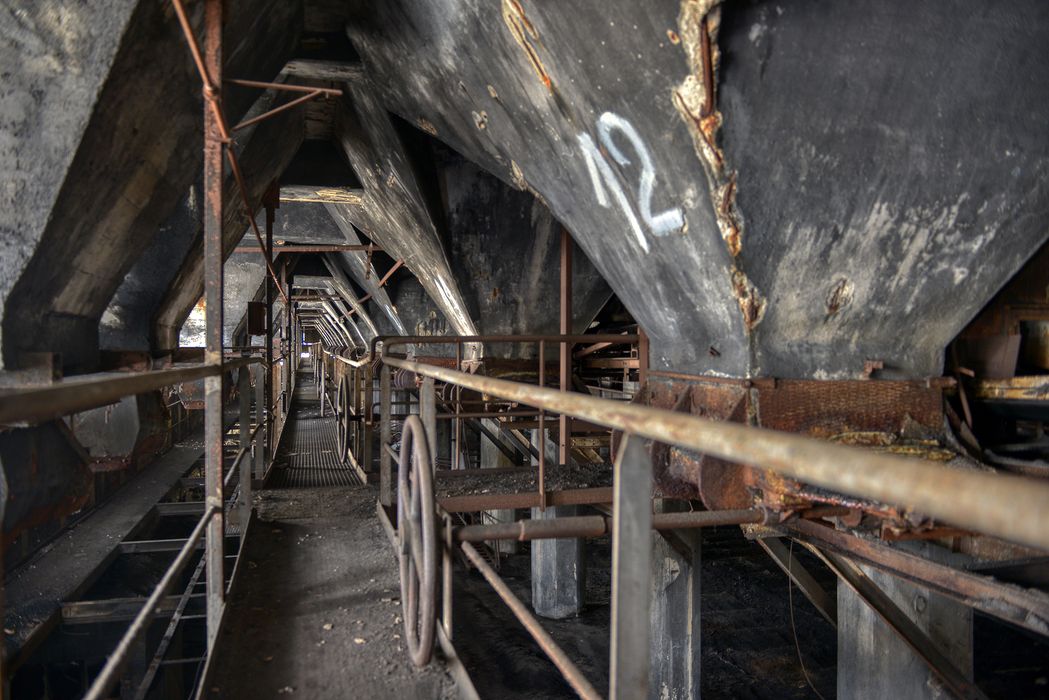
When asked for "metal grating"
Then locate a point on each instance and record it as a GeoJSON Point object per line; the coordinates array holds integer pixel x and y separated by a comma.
{"type": "Point", "coordinates": [308, 455]}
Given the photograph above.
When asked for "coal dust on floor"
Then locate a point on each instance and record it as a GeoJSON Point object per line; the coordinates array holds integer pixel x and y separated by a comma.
{"type": "Point", "coordinates": [748, 644]}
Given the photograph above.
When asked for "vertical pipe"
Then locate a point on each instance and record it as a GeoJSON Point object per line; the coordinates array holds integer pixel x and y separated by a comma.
{"type": "Point", "coordinates": [458, 408]}
{"type": "Point", "coordinates": [286, 331]}
{"type": "Point", "coordinates": [244, 395]}
{"type": "Point", "coordinates": [272, 200]}
{"type": "Point", "coordinates": [260, 416]}
{"type": "Point", "coordinates": [428, 414]}
{"type": "Point", "coordinates": [542, 430]}
{"type": "Point", "coordinates": [631, 559]}
{"type": "Point", "coordinates": [642, 357]}
{"type": "Point", "coordinates": [564, 440]}
{"type": "Point", "coordinates": [213, 261]}
{"type": "Point", "coordinates": [385, 468]}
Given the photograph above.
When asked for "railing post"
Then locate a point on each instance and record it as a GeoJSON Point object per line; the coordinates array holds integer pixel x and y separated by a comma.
{"type": "Point", "coordinates": [631, 563]}
{"type": "Point", "coordinates": [260, 421]}
{"type": "Point", "coordinates": [385, 466]}
{"type": "Point", "coordinates": [369, 433]}
{"type": "Point", "coordinates": [213, 260]}
{"type": "Point", "coordinates": [272, 201]}
{"type": "Point", "coordinates": [244, 396]}
{"type": "Point", "coordinates": [320, 389]}
{"type": "Point", "coordinates": [428, 414]}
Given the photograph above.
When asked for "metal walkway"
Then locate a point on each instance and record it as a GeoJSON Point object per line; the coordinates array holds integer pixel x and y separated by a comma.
{"type": "Point", "coordinates": [315, 611]}
{"type": "Point", "coordinates": [308, 456]}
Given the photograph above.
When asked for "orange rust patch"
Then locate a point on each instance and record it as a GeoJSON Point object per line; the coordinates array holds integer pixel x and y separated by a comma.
{"type": "Point", "coordinates": [750, 301]}
{"type": "Point", "coordinates": [525, 34]}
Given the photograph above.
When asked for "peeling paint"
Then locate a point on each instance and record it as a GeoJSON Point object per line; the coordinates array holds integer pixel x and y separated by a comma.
{"type": "Point", "coordinates": [518, 177]}
{"type": "Point", "coordinates": [840, 296]}
{"type": "Point", "coordinates": [750, 301]}
{"type": "Point", "coordinates": [695, 101]}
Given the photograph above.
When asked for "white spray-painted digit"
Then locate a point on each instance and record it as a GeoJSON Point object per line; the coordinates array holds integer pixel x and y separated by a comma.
{"type": "Point", "coordinates": [600, 170]}
{"type": "Point", "coordinates": [602, 176]}
{"type": "Point", "coordinates": [664, 222]}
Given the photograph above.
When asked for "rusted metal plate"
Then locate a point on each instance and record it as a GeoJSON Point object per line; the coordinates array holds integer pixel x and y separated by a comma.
{"type": "Point", "coordinates": [681, 473]}
{"type": "Point", "coordinates": [827, 409]}
{"type": "Point", "coordinates": [191, 395]}
{"type": "Point", "coordinates": [893, 416]}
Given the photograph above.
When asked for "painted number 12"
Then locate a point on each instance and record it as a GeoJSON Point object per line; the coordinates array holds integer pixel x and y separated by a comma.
{"type": "Point", "coordinates": [602, 176]}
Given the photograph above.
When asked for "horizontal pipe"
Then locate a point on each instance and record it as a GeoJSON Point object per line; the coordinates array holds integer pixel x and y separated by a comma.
{"type": "Point", "coordinates": [315, 248]}
{"type": "Point", "coordinates": [46, 402]}
{"type": "Point", "coordinates": [1002, 505]}
{"type": "Point", "coordinates": [599, 525]}
{"type": "Point", "coordinates": [389, 341]}
{"type": "Point", "coordinates": [569, 670]}
{"type": "Point", "coordinates": [473, 502]}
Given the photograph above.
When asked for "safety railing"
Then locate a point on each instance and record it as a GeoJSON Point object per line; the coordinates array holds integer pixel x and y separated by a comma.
{"type": "Point", "coordinates": [1010, 507]}
{"type": "Point", "coordinates": [37, 403]}
{"type": "Point", "coordinates": [427, 399]}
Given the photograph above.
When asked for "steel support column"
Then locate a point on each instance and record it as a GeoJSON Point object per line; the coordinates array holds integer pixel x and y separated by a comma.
{"type": "Point", "coordinates": [213, 261]}
{"type": "Point", "coordinates": [564, 439]}
{"type": "Point", "coordinates": [631, 557]}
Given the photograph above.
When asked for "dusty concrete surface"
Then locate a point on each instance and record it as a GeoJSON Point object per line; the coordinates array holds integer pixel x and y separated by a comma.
{"type": "Point", "coordinates": [316, 612]}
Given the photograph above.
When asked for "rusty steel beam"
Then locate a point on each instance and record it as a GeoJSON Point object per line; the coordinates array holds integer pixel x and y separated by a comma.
{"type": "Point", "coordinates": [912, 635]}
{"type": "Point", "coordinates": [214, 136]}
{"type": "Point", "coordinates": [1021, 606]}
{"type": "Point", "coordinates": [1006, 506]}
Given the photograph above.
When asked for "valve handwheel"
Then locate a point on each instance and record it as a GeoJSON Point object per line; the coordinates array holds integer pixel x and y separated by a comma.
{"type": "Point", "coordinates": [417, 541]}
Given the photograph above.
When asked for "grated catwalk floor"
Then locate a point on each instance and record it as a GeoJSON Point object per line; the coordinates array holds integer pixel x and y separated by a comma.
{"type": "Point", "coordinates": [308, 456]}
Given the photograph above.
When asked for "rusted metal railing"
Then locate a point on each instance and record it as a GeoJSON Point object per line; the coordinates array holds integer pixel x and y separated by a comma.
{"type": "Point", "coordinates": [1006, 506]}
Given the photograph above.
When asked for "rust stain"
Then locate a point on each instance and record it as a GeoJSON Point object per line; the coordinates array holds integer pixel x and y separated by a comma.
{"type": "Point", "coordinates": [525, 34]}
{"type": "Point", "coordinates": [839, 297]}
{"type": "Point", "coordinates": [426, 125]}
{"type": "Point", "coordinates": [695, 99]}
{"type": "Point", "coordinates": [750, 301]}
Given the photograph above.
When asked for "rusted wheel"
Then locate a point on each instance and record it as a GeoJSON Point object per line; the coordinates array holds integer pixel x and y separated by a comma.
{"type": "Point", "coordinates": [417, 540]}
{"type": "Point", "coordinates": [342, 419]}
